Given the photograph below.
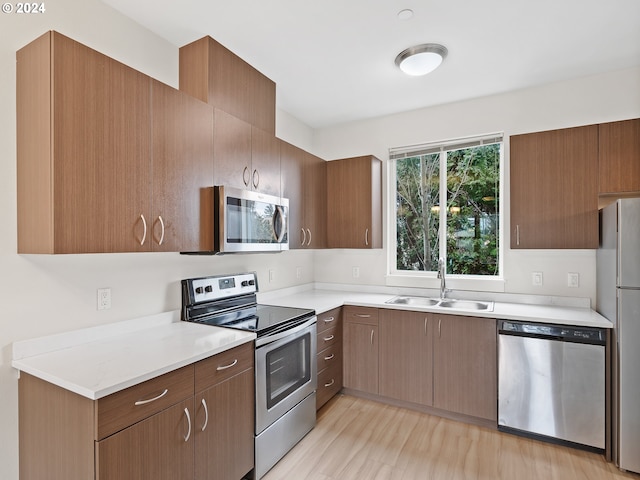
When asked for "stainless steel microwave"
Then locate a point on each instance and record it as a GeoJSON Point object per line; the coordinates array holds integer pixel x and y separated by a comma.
{"type": "Point", "coordinates": [248, 221]}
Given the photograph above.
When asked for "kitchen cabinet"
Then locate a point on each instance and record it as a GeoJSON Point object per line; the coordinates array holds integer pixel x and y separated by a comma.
{"type": "Point", "coordinates": [244, 156]}
{"type": "Point", "coordinates": [303, 177]}
{"type": "Point", "coordinates": [182, 165]}
{"type": "Point", "coordinates": [554, 189]}
{"type": "Point", "coordinates": [406, 351]}
{"type": "Point", "coordinates": [360, 345]}
{"type": "Point", "coordinates": [619, 157]}
{"type": "Point", "coordinates": [329, 357]}
{"type": "Point", "coordinates": [465, 365]}
{"type": "Point", "coordinates": [194, 422]}
{"type": "Point", "coordinates": [354, 203]}
{"type": "Point", "coordinates": [84, 150]}
{"type": "Point", "coordinates": [109, 160]}
{"type": "Point", "coordinates": [224, 414]}
{"type": "Point", "coordinates": [214, 74]}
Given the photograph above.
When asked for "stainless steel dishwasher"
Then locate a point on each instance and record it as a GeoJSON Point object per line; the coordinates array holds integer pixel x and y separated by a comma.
{"type": "Point", "coordinates": [551, 383]}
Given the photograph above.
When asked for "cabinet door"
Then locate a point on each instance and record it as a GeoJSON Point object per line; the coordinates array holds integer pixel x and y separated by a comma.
{"type": "Point", "coordinates": [182, 172]}
{"type": "Point", "coordinates": [232, 151]}
{"type": "Point", "coordinates": [224, 429]}
{"type": "Point", "coordinates": [406, 356]}
{"type": "Point", "coordinates": [554, 190]}
{"type": "Point", "coordinates": [315, 201]}
{"type": "Point", "coordinates": [360, 357]}
{"type": "Point", "coordinates": [158, 448]}
{"type": "Point", "coordinates": [465, 365]}
{"type": "Point", "coordinates": [354, 205]}
{"type": "Point", "coordinates": [619, 156]}
{"type": "Point", "coordinates": [265, 162]}
{"type": "Point", "coordinates": [291, 163]}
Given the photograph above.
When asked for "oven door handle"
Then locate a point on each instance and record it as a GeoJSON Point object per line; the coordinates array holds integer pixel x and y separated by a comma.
{"type": "Point", "coordinates": [267, 339]}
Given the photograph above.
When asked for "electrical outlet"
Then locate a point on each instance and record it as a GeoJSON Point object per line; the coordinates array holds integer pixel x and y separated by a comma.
{"type": "Point", "coordinates": [355, 272]}
{"type": "Point", "coordinates": [272, 275]}
{"type": "Point", "coordinates": [104, 298]}
{"type": "Point", "coordinates": [536, 279]}
{"type": "Point", "coordinates": [573, 280]}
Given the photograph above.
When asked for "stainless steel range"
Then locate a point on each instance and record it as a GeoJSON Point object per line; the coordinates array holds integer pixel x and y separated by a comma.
{"type": "Point", "coordinates": [285, 357]}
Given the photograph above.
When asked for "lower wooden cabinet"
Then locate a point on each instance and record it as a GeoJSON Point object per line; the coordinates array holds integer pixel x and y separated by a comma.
{"type": "Point", "coordinates": [158, 429]}
{"type": "Point", "coordinates": [329, 357]}
{"type": "Point", "coordinates": [361, 348]}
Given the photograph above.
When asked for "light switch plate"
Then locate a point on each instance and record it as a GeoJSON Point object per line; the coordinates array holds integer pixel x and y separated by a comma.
{"type": "Point", "coordinates": [536, 279]}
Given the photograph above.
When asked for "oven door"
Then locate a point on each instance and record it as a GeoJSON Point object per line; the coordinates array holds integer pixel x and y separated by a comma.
{"type": "Point", "coordinates": [247, 221]}
{"type": "Point", "coordinates": [286, 372]}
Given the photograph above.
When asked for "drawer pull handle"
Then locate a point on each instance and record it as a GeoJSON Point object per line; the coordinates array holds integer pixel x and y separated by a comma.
{"type": "Point", "coordinates": [186, 412]}
{"type": "Point", "coordinates": [362, 315]}
{"type": "Point", "coordinates": [224, 367]}
{"type": "Point", "coordinates": [162, 234]}
{"type": "Point", "coordinates": [206, 415]}
{"type": "Point", "coordinates": [330, 357]}
{"type": "Point", "coordinates": [328, 320]}
{"type": "Point", "coordinates": [144, 402]}
{"type": "Point", "coordinates": [330, 383]}
{"type": "Point", "coordinates": [144, 232]}
{"type": "Point", "coordinates": [329, 338]}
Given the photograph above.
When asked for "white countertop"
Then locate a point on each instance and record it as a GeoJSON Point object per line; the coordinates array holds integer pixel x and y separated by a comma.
{"type": "Point", "coordinates": [97, 362]}
{"type": "Point", "coordinates": [322, 300]}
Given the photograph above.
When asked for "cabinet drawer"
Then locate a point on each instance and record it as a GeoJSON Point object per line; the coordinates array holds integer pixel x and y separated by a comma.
{"type": "Point", "coordinates": [329, 383]}
{"type": "Point", "coordinates": [329, 319]}
{"type": "Point", "coordinates": [224, 365]}
{"type": "Point", "coordinates": [124, 408]}
{"type": "Point", "coordinates": [366, 315]}
{"type": "Point", "coordinates": [329, 337]}
{"type": "Point", "coordinates": [329, 356]}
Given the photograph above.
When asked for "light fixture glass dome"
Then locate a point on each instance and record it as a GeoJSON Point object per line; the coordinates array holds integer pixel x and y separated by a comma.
{"type": "Point", "coordinates": [421, 59]}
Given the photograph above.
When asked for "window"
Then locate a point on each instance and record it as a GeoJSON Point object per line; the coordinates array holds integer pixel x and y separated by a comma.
{"type": "Point", "coordinates": [464, 177]}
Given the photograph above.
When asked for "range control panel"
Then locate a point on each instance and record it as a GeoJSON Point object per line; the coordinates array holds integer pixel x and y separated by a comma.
{"type": "Point", "coordinates": [208, 289]}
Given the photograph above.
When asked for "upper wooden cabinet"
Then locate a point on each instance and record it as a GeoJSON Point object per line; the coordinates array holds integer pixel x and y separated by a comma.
{"type": "Point", "coordinates": [245, 156]}
{"type": "Point", "coordinates": [303, 180]}
{"type": "Point", "coordinates": [182, 162]}
{"type": "Point", "coordinates": [109, 160]}
{"type": "Point", "coordinates": [83, 142]}
{"type": "Point", "coordinates": [554, 189]}
{"type": "Point", "coordinates": [216, 75]}
{"type": "Point", "coordinates": [354, 203]}
{"type": "Point", "coordinates": [619, 157]}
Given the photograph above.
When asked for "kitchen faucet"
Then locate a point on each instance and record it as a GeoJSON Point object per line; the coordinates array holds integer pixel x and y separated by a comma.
{"type": "Point", "coordinates": [441, 276]}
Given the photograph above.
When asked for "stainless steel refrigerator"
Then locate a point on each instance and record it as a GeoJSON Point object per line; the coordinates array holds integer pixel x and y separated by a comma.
{"type": "Point", "coordinates": [618, 299]}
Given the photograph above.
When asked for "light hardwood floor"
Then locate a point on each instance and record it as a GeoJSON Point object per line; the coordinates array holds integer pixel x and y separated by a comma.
{"type": "Point", "coordinates": [357, 439]}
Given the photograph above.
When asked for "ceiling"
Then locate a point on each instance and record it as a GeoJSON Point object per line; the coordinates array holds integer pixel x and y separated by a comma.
{"type": "Point", "coordinates": [333, 60]}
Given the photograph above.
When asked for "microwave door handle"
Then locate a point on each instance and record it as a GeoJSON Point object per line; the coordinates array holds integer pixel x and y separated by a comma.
{"type": "Point", "coordinates": [278, 224]}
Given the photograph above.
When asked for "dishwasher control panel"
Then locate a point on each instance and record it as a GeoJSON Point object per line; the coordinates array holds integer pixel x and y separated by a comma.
{"type": "Point", "coordinates": [554, 332]}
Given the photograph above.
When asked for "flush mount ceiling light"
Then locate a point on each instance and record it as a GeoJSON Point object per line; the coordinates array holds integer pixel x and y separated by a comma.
{"type": "Point", "coordinates": [421, 59]}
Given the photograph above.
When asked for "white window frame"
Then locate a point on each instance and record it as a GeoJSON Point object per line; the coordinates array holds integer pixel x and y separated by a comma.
{"type": "Point", "coordinates": [428, 279]}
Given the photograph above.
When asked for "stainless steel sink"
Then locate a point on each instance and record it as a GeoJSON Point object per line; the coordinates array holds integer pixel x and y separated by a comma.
{"type": "Point", "coordinates": [408, 300]}
{"type": "Point", "coordinates": [441, 303]}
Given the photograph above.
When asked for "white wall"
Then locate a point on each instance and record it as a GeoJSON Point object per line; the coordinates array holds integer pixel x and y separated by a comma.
{"type": "Point", "coordinates": [601, 98]}
{"type": "Point", "coordinates": [47, 294]}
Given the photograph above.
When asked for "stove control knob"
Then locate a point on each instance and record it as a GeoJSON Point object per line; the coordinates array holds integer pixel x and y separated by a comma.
{"type": "Point", "coordinates": [252, 282]}
{"type": "Point", "coordinates": [199, 290]}
{"type": "Point", "coordinates": [245, 283]}
{"type": "Point", "coordinates": [208, 289]}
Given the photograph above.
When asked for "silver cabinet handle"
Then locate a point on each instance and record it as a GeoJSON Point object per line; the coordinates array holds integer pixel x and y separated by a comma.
{"type": "Point", "coordinates": [144, 402]}
{"type": "Point", "coordinates": [363, 315]}
{"type": "Point", "coordinates": [328, 319]}
{"type": "Point", "coordinates": [255, 175]}
{"type": "Point", "coordinates": [517, 234]}
{"type": "Point", "coordinates": [371, 337]}
{"type": "Point", "coordinates": [329, 338]}
{"type": "Point", "coordinates": [186, 412]}
{"type": "Point", "coordinates": [330, 357]}
{"type": "Point", "coordinates": [439, 328]}
{"type": "Point", "coordinates": [206, 415]}
{"type": "Point", "coordinates": [330, 383]}
{"type": "Point", "coordinates": [309, 241]}
{"type": "Point", "coordinates": [162, 234]}
{"type": "Point", "coordinates": [144, 232]}
{"type": "Point", "coordinates": [245, 178]}
{"type": "Point", "coordinates": [304, 237]}
{"type": "Point", "coordinates": [224, 367]}
{"type": "Point", "coordinates": [366, 237]}
{"type": "Point", "coordinates": [426, 321]}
